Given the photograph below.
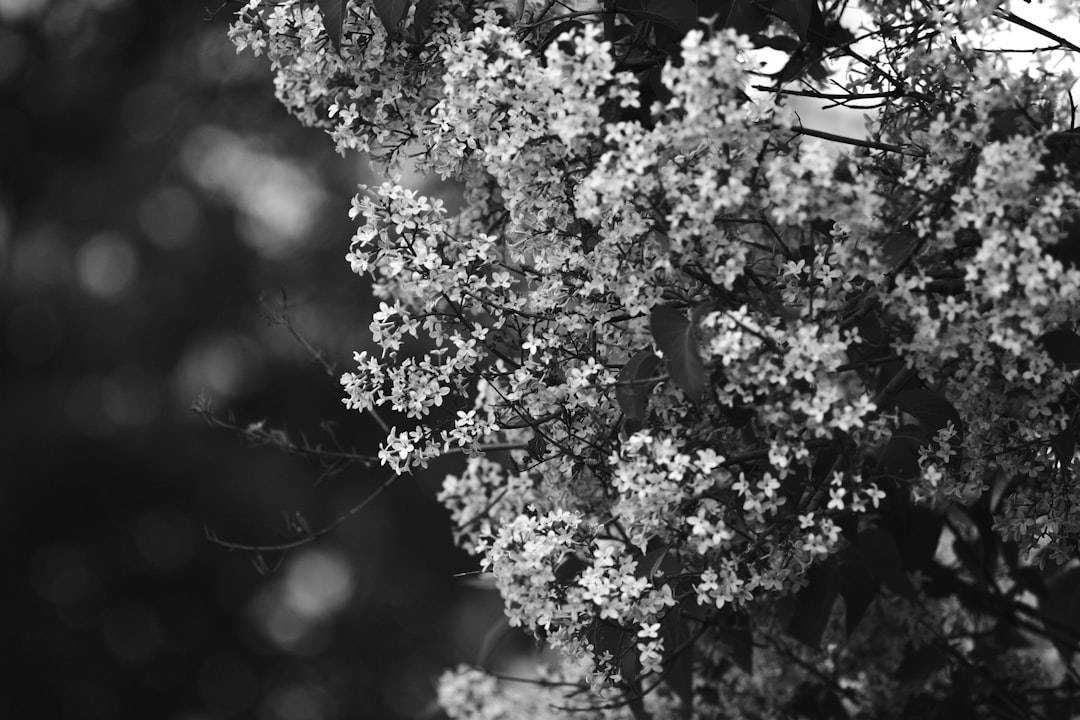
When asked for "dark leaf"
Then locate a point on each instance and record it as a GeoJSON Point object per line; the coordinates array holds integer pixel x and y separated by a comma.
{"type": "Point", "coordinates": [1007, 635]}
{"type": "Point", "coordinates": [390, 13]}
{"type": "Point", "coordinates": [260, 564]}
{"type": "Point", "coordinates": [635, 701]}
{"type": "Point", "coordinates": [896, 505]}
{"type": "Point", "coordinates": [653, 90]}
{"type": "Point", "coordinates": [920, 707]}
{"type": "Point", "coordinates": [966, 238]}
{"type": "Point", "coordinates": [939, 581]}
{"type": "Point", "coordinates": [737, 639]}
{"type": "Point", "coordinates": [1060, 708]}
{"type": "Point", "coordinates": [1064, 444]}
{"type": "Point", "coordinates": [559, 29]}
{"type": "Point", "coordinates": [634, 388]}
{"type": "Point", "coordinates": [680, 15]}
{"type": "Point", "coordinates": [814, 605]}
{"type": "Point", "coordinates": [920, 663]}
{"type": "Point", "coordinates": [970, 554]}
{"type": "Point", "coordinates": [493, 638]}
{"type": "Point", "coordinates": [1031, 579]}
{"type": "Point", "coordinates": [931, 409]}
{"type": "Point", "coordinates": [921, 531]}
{"type": "Point", "coordinates": [858, 586]}
{"type": "Point", "coordinates": [1067, 249]}
{"type": "Point", "coordinates": [620, 32]}
{"type": "Point", "coordinates": [870, 331]}
{"type": "Point", "coordinates": [806, 60]}
{"type": "Point", "coordinates": [1010, 554]}
{"type": "Point", "coordinates": [744, 16]}
{"type": "Point", "coordinates": [878, 548]}
{"type": "Point", "coordinates": [422, 19]}
{"type": "Point", "coordinates": [818, 701]}
{"type": "Point", "coordinates": [783, 43]}
{"type": "Point", "coordinates": [1008, 123]}
{"type": "Point", "coordinates": [675, 337]}
{"type": "Point", "coordinates": [981, 516]}
{"type": "Point", "coordinates": [333, 15]}
{"type": "Point", "coordinates": [658, 561]}
{"type": "Point", "coordinates": [569, 569]}
{"type": "Point", "coordinates": [1063, 607]}
{"type": "Point", "coordinates": [609, 638]}
{"type": "Point", "coordinates": [833, 35]}
{"type": "Point", "coordinates": [1002, 704]}
{"type": "Point", "coordinates": [485, 582]}
{"type": "Point", "coordinates": [537, 446]}
{"type": "Point", "coordinates": [1063, 347]}
{"type": "Point", "coordinates": [679, 660]}
{"type": "Point", "coordinates": [795, 13]}
{"type": "Point", "coordinates": [901, 456]}
{"type": "Point", "coordinates": [947, 286]}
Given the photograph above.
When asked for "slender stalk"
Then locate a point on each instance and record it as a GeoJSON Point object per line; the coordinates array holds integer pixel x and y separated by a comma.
{"type": "Point", "coordinates": [858, 142]}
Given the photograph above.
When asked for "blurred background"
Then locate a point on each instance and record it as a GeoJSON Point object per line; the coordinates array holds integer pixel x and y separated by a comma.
{"type": "Point", "coordinates": [151, 192]}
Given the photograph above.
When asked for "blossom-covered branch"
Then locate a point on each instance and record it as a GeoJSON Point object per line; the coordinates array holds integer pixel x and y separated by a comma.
{"type": "Point", "coordinates": [744, 371]}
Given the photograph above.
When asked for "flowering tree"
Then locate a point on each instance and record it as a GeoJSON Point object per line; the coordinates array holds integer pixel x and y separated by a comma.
{"type": "Point", "coordinates": [760, 421]}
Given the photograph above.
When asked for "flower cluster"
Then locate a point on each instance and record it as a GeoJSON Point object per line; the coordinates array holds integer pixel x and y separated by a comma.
{"type": "Point", "coordinates": [701, 365]}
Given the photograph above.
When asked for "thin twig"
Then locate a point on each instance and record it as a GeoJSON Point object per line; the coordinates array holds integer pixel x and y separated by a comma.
{"type": "Point", "coordinates": [281, 316]}
{"type": "Point", "coordinates": [1011, 17]}
{"type": "Point", "coordinates": [313, 535]}
{"type": "Point", "coordinates": [858, 142]}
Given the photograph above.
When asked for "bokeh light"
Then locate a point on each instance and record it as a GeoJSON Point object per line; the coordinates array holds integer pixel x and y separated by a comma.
{"type": "Point", "coordinates": [152, 192]}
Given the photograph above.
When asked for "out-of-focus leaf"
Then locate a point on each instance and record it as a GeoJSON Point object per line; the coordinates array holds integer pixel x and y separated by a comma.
{"type": "Point", "coordinates": [814, 605]}
{"type": "Point", "coordinates": [632, 392]}
{"type": "Point", "coordinates": [333, 15]}
{"type": "Point", "coordinates": [1063, 347]}
{"type": "Point", "coordinates": [931, 409]}
{"type": "Point", "coordinates": [674, 335]}
{"type": "Point", "coordinates": [390, 13]}
{"type": "Point", "coordinates": [795, 13]}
